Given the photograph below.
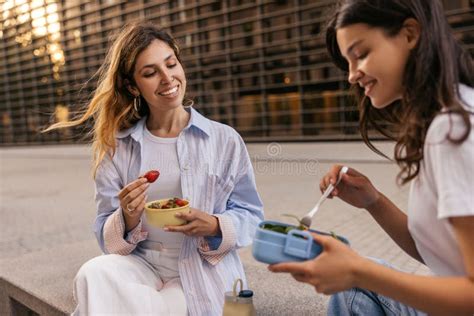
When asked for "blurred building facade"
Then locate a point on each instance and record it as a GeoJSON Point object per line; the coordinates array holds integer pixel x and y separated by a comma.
{"type": "Point", "coordinates": [260, 66]}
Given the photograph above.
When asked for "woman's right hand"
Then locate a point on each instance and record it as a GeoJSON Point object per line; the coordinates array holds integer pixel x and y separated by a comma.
{"type": "Point", "coordinates": [354, 188]}
{"type": "Point", "coordinates": [132, 200]}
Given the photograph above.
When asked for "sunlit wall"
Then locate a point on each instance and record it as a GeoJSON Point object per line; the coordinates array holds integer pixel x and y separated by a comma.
{"type": "Point", "coordinates": [260, 66]}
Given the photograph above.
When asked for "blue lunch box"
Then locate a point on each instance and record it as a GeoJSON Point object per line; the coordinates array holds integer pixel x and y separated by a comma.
{"type": "Point", "coordinates": [275, 247]}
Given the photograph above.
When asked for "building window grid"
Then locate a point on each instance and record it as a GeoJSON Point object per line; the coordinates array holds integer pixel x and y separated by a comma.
{"type": "Point", "coordinates": [258, 66]}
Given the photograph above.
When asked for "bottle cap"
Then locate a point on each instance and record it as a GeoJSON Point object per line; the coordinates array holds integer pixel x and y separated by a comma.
{"type": "Point", "coordinates": [245, 293]}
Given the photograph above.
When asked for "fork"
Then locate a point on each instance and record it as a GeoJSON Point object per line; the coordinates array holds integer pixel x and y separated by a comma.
{"type": "Point", "coordinates": [307, 219]}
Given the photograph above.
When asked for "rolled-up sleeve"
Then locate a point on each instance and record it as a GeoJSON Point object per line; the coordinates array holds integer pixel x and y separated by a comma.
{"type": "Point", "coordinates": [114, 232]}
{"type": "Point", "coordinates": [109, 226]}
{"type": "Point", "coordinates": [222, 244]}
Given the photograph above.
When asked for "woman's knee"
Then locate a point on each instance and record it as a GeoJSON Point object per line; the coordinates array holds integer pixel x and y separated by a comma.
{"type": "Point", "coordinates": [339, 303]}
{"type": "Point", "coordinates": [97, 266]}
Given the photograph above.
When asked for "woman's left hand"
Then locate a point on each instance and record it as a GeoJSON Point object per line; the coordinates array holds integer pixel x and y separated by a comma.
{"type": "Point", "coordinates": [334, 270]}
{"type": "Point", "coordinates": [199, 224]}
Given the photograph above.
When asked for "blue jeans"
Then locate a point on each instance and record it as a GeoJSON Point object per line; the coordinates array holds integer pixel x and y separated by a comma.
{"type": "Point", "coordinates": [355, 302]}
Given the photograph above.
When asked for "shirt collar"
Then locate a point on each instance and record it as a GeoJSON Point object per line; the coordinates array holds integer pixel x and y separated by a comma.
{"type": "Point", "coordinates": [196, 120]}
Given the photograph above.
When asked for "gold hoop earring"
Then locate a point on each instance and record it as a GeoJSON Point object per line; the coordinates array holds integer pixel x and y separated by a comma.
{"type": "Point", "coordinates": [136, 103]}
{"type": "Point", "coordinates": [188, 103]}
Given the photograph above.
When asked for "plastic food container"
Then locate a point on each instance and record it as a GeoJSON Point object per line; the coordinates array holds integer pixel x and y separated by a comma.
{"type": "Point", "coordinates": [275, 247]}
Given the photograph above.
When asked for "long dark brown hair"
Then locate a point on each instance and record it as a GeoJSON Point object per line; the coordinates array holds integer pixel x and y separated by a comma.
{"type": "Point", "coordinates": [431, 79]}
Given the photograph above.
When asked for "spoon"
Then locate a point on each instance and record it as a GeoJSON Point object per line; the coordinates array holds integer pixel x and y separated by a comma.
{"type": "Point", "coordinates": [306, 220]}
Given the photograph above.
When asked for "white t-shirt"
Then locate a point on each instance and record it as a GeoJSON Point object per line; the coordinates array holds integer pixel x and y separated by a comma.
{"type": "Point", "coordinates": [444, 188]}
{"type": "Point", "coordinates": [161, 154]}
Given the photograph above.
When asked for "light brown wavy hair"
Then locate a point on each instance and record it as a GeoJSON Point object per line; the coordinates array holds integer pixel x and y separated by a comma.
{"type": "Point", "coordinates": [111, 106]}
{"type": "Point", "coordinates": [432, 74]}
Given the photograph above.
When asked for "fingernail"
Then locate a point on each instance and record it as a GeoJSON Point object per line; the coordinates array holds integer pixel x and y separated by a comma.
{"type": "Point", "coordinates": [166, 229]}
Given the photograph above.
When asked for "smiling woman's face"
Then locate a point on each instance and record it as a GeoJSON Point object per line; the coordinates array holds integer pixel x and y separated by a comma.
{"type": "Point", "coordinates": [160, 77]}
{"type": "Point", "coordinates": [376, 61]}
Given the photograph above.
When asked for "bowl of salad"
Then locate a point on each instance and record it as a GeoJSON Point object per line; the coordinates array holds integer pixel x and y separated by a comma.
{"type": "Point", "coordinates": [161, 213]}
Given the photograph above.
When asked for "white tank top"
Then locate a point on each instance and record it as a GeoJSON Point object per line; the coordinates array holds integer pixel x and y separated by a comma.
{"type": "Point", "coordinates": [161, 154]}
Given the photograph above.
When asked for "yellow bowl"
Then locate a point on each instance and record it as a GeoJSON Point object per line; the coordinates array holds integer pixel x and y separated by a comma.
{"type": "Point", "coordinates": [161, 218]}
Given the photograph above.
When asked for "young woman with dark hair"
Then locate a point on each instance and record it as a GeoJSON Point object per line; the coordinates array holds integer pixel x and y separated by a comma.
{"type": "Point", "coordinates": [414, 84]}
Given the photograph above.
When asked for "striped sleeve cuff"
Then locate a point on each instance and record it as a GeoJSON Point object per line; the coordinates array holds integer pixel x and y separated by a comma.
{"type": "Point", "coordinates": [136, 235]}
{"type": "Point", "coordinates": [114, 231]}
{"type": "Point", "coordinates": [229, 239]}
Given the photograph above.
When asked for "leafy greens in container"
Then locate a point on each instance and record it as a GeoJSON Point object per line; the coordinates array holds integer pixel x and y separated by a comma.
{"type": "Point", "coordinates": [284, 229]}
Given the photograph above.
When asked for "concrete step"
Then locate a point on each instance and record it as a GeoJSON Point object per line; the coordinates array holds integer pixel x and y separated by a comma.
{"type": "Point", "coordinates": [40, 283]}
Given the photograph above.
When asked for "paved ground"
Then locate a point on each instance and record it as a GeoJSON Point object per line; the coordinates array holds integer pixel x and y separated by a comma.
{"type": "Point", "coordinates": [46, 201]}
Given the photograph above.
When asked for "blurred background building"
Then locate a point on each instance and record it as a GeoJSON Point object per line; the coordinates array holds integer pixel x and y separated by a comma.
{"type": "Point", "coordinates": [260, 66]}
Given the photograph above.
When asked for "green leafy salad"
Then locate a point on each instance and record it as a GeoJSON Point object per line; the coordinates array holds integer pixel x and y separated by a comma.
{"type": "Point", "coordinates": [283, 229]}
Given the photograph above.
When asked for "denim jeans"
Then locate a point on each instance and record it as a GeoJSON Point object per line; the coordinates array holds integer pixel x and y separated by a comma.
{"type": "Point", "coordinates": [355, 302]}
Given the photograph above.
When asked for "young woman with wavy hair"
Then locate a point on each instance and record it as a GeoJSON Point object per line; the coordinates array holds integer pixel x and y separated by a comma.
{"type": "Point", "coordinates": [140, 124]}
{"type": "Point", "coordinates": [414, 84]}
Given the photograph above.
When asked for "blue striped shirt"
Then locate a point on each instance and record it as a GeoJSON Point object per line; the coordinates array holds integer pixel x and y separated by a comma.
{"type": "Point", "coordinates": [217, 177]}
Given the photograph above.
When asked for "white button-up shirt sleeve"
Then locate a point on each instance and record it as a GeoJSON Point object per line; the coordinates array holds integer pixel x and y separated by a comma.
{"type": "Point", "coordinates": [109, 224]}
{"type": "Point", "coordinates": [107, 185]}
{"type": "Point", "coordinates": [243, 211]}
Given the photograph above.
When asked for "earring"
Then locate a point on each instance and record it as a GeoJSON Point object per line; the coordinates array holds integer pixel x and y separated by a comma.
{"type": "Point", "coordinates": [188, 103]}
{"type": "Point", "coordinates": [137, 103]}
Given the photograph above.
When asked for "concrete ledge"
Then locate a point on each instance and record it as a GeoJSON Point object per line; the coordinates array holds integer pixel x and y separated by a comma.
{"type": "Point", "coordinates": [19, 301]}
{"type": "Point", "coordinates": [40, 283]}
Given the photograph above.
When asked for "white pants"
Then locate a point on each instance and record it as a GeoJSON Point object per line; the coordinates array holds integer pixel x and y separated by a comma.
{"type": "Point", "coordinates": [127, 285]}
